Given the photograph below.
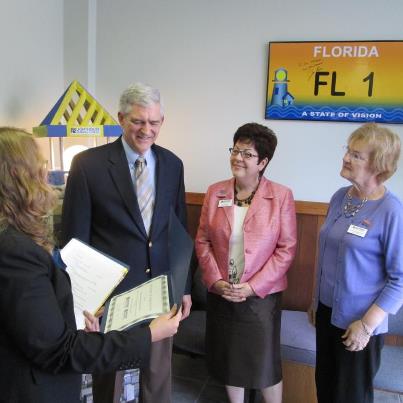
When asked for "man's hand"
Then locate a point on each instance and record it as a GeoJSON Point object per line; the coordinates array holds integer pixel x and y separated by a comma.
{"type": "Point", "coordinates": [186, 305]}
{"type": "Point", "coordinates": [165, 325]}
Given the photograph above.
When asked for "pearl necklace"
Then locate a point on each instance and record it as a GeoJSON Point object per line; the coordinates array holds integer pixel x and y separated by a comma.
{"type": "Point", "coordinates": [350, 209]}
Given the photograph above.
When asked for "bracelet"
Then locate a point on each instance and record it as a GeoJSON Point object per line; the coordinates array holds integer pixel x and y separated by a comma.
{"type": "Point", "coordinates": [365, 327]}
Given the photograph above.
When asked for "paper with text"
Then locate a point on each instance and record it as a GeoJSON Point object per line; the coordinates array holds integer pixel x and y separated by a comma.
{"type": "Point", "coordinates": [93, 277]}
{"type": "Point", "coordinates": [146, 301]}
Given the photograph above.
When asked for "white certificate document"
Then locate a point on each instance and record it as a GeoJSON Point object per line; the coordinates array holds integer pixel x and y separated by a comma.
{"type": "Point", "coordinates": [93, 277]}
{"type": "Point", "coordinates": [146, 301]}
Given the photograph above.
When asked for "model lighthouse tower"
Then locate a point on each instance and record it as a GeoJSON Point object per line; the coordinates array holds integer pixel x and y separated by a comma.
{"type": "Point", "coordinates": [281, 96]}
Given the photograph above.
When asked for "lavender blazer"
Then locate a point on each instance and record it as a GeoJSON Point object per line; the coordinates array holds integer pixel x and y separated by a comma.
{"type": "Point", "coordinates": [270, 236]}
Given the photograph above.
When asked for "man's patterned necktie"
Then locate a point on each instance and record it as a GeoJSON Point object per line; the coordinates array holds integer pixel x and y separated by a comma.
{"type": "Point", "coordinates": [145, 196]}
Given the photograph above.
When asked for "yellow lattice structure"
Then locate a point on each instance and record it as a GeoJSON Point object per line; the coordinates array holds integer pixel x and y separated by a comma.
{"type": "Point", "coordinates": [77, 114]}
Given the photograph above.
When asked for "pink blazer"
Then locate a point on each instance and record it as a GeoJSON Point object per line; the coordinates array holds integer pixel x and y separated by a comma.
{"type": "Point", "coordinates": [270, 236]}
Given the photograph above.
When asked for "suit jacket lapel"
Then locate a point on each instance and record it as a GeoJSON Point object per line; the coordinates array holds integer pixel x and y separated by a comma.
{"type": "Point", "coordinates": [160, 191]}
{"type": "Point", "coordinates": [119, 170]}
{"type": "Point", "coordinates": [264, 191]}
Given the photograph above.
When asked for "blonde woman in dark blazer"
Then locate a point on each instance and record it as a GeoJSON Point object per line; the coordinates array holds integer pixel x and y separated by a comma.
{"type": "Point", "coordinates": [41, 352]}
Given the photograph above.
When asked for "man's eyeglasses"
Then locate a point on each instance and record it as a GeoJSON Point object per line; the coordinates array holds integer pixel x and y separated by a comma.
{"type": "Point", "coordinates": [354, 155]}
{"type": "Point", "coordinates": [245, 154]}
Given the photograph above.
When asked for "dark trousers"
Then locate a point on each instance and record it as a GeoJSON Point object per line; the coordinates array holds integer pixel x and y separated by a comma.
{"type": "Point", "coordinates": [155, 380]}
{"type": "Point", "coordinates": [343, 376]}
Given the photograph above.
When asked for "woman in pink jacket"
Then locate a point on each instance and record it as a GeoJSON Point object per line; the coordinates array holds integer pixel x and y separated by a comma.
{"type": "Point", "coordinates": [245, 244]}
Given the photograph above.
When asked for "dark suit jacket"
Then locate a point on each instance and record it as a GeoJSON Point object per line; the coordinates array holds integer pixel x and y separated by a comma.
{"type": "Point", "coordinates": [41, 352]}
{"type": "Point", "coordinates": [100, 207]}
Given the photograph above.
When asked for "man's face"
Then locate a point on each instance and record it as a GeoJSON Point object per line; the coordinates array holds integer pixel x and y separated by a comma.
{"type": "Point", "coordinates": [141, 126]}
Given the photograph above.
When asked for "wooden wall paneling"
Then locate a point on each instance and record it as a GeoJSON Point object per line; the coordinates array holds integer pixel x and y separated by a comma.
{"type": "Point", "coordinates": [300, 276]}
{"type": "Point", "coordinates": [394, 340]}
{"type": "Point", "coordinates": [311, 208]}
{"type": "Point", "coordinates": [298, 383]}
{"type": "Point", "coordinates": [194, 198]}
{"type": "Point", "coordinates": [194, 202]}
{"type": "Point", "coordinates": [193, 217]}
{"type": "Point", "coordinates": [320, 221]}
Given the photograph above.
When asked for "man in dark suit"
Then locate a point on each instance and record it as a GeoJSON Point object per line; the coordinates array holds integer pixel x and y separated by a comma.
{"type": "Point", "coordinates": [120, 204]}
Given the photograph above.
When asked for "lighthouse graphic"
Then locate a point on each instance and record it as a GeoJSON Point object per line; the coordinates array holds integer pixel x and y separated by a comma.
{"type": "Point", "coordinates": [281, 96]}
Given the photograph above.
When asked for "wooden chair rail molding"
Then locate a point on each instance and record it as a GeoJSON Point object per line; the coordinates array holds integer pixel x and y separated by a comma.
{"type": "Point", "coordinates": [302, 207]}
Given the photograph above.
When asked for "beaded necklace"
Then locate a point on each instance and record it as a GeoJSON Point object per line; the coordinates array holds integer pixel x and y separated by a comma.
{"type": "Point", "coordinates": [350, 209]}
{"type": "Point", "coordinates": [243, 202]}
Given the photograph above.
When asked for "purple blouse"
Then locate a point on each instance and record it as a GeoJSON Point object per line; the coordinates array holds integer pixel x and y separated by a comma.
{"type": "Point", "coordinates": [356, 271]}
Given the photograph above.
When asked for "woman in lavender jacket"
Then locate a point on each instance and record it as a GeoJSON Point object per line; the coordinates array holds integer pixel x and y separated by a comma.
{"type": "Point", "coordinates": [360, 269]}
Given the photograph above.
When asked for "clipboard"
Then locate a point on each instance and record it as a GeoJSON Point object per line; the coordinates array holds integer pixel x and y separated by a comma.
{"type": "Point", "coordinates": [93, 275]}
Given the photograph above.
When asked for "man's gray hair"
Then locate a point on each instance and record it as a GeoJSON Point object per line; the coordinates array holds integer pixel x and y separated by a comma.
{"type": "Point", "coordinates": [139, 94]}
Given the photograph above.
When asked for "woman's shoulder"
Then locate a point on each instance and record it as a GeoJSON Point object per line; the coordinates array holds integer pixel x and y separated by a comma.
{"type": "Point", "coordinates": [392, 206]}
{"type": "Point", "coordinates": [10, 237]}
{"type": "Point", "coordinates": [15, 242]}
{"type": "Point", "coordinates": [274, 187]}
{"type": "Point", "coordinates": [392, 200]}
{"type": "Point", "coordinates": [221, 187]}
{"type": "Point", "coordinates": [339, 194]}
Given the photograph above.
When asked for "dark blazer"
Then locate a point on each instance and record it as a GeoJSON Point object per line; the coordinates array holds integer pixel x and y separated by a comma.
{"type": "Point", "coordinates": [41, 352]}
{"type": "Point", "coordinates": [100, 207]}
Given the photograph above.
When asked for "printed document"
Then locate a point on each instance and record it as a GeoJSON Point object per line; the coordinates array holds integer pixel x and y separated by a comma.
{"type": "Point", "coordinates": [144, 302]}
{"type": "Point", "coordinates": [93, 276]}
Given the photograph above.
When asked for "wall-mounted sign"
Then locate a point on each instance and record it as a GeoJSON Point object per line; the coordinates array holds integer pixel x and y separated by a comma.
{"type": "Point", "coordinates": [336, 81]}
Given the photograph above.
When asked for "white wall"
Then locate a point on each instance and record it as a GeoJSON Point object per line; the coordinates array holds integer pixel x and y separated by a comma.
{"type": "Point", "coordinates": [31, 64]}
{"type": "Point", "coordinates": [75, 41]}
{"type": "Point", "coordinates": [209, 58]}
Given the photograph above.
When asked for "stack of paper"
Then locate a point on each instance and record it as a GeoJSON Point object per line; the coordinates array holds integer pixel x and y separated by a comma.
{"type": "Point", "coordinates": [93, 275]}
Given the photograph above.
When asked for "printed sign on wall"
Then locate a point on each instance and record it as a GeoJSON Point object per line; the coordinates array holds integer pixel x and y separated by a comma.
{"type": "Point", "coordinates": [336, 81]}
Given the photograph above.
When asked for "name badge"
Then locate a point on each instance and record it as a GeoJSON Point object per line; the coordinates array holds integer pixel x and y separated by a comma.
{"type": "Point", "coordinates": [225, 203]}
{"type": "Point", "coordinates": [356, 230]}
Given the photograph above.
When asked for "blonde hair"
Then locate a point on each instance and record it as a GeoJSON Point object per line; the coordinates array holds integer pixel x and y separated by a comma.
{"type": "Point", "coordinates": [25, 197]}
{"type": "Point", "coordinates": [385, 148]}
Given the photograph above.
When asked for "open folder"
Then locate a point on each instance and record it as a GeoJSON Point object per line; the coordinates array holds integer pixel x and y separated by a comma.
{"type": "Point", "coordinates": [93, 276]}
{"type": "Point", "coordinates": [156, 296]}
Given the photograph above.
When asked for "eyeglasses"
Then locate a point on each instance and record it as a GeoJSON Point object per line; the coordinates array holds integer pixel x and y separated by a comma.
{"type": "Point", "coordinates": [354, 155]}
{"type": "Point", "coordinates": [245, 154]}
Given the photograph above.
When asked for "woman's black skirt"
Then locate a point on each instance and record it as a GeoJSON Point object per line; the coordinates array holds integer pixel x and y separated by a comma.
{"type": "Point", "coordinates": [243, 341]}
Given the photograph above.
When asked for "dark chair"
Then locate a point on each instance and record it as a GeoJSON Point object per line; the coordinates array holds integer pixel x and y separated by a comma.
{"type": "Point", "coordinates": [191, 334]}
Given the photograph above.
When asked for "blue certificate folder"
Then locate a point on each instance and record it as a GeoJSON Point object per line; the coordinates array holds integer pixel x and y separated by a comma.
{"type": "Point", "coordinates": [180, 254]}
{"type": "Point", "coordinates": [180, 246]}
